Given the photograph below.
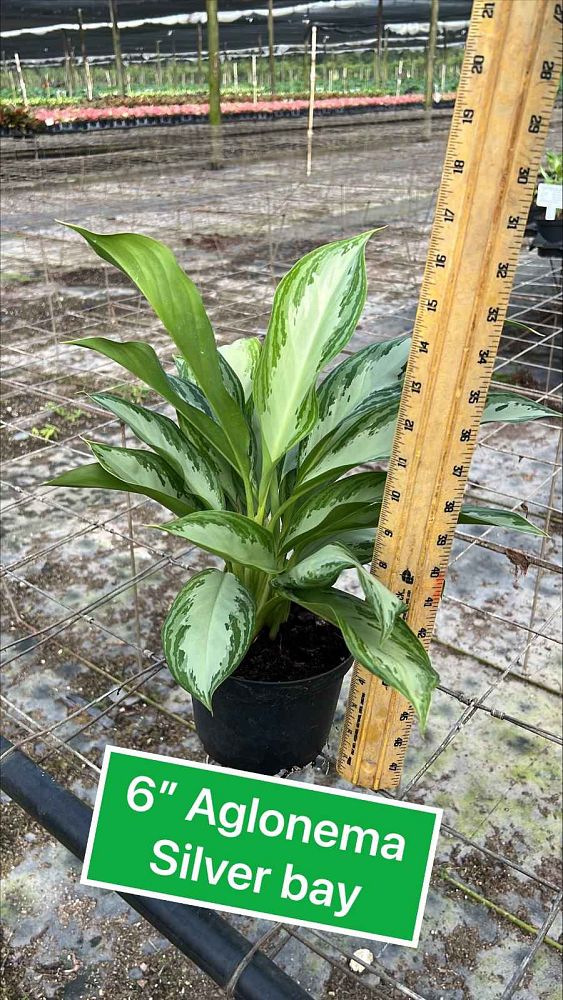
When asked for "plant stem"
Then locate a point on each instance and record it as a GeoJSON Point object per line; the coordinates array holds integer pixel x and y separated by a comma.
{"type": "Point", "coordinates": [263, 492]}
{"type": "Point", "coordinates": [249, 497]}
{"type": "Point", "coordinates": [284, 506]}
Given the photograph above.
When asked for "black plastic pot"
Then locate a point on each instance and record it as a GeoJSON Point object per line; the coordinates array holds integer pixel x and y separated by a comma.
{"type": "Point", "coordinates": [534, 215]}
{"type": "Point", "coordinates": [269, 726]}
{"type": "Point", "coordinates": [551, 231]}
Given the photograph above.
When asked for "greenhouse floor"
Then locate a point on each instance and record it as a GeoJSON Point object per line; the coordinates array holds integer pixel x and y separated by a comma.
{"type": "Point", "coordinates": [86, 584]}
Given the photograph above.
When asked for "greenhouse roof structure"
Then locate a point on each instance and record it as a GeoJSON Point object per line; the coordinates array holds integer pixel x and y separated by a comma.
{"type": "Point", "coordinates": [34, 28]}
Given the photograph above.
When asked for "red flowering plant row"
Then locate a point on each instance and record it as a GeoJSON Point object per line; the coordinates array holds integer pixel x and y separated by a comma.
{"type": "Point", "coordinates": [54, 116]}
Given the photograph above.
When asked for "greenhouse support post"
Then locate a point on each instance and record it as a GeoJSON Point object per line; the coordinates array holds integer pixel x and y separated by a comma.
{"type": "Point", "coordinates": [271, 56]}
{"type": "Point", "coordinates": [306, 55]}
{"type": "Point", "coordinates": [119, 75]}
{"type": "Point", "coordinates": [67, 73]}
{"type": "Point", "coordinates": [158, 64]}
{"type": "Point", "coordinates": [254, 79]}
{"type": "Point", "coordinates": [430, 56]}
{"type": "Point", "coordinates": [202, 935]}
{"type": "Point", "coordinates": [399, 78]}
{"type": "Point", "coordinates": [21, 80]}
{"type": "Point", "coordinates": [378, 74]}
{"type": "Point", "coordinates": [85, 63]}
{"type": "Point", "coordinates": [311, 115]}
{"type": "Point", "coordinates": [73, 69]}
{"type": "Point", "coordinates": [199, 51]}
{"type": "Point", "coordinates": [214, 76]}
{"type": "Point", "coordinates": [173, 63]}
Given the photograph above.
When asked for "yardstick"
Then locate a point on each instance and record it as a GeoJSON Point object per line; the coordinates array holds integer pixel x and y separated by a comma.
{"type": "Point", "coordinates": [507, 89]}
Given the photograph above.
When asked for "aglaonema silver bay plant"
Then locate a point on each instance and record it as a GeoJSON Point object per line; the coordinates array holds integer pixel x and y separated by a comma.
{"type": "Point", "coordinates": [261, 465]}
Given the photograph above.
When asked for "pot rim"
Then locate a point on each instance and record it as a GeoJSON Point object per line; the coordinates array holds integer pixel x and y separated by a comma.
{"type": "Point", "coordinates": [295, 683]}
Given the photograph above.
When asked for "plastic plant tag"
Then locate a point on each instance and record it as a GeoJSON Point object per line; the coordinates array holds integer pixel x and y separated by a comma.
{"type": "Point", "coordinates": [550, 197]}
{"type": "Point", "coordinates": [230, 840]}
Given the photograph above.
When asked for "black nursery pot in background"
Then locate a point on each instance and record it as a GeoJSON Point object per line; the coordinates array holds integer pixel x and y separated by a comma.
{"type": "Point", "coordinates": [551, 231]}
{"type": "Point", "coordinates": [267, 726]}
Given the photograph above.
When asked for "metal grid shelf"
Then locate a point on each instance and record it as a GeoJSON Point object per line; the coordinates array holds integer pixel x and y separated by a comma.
{"type": "Point", "coordinates": [86, 584]}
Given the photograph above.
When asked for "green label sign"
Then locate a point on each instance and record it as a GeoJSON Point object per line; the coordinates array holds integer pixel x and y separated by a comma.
{"type": "Point", "coordinates": [229, 840]}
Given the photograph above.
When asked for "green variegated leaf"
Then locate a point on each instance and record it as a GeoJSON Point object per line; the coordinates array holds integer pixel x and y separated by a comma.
{"type": "Point", "coordinates": [228, 478]}
{"type": "Point", "coordinates": [140, 359]}
{"type": "Point", "coordinates": [166, 439]}
{"type": "Point", "coordinates": [355, 383]}
{"type": "Point", "coordinates": [472, 514]}
{"type": "Point", "coordinates": [136, 357]}
{"type": "Point", "coordinates": [184, 371]}
{"type": "Point", "coordinates": [337, 525]}
{"type": "Point", "coordinates": [359, 541]}
{"type": "Point", "coordinates": [230, 378]}
{"type": "Point", "coordinates": [243, 356]}
{"type": "Point", "coordinates": [94, 477]}
{"type": "Point", "coordinates": [231, 381]}
{"type": "Point", "coordinates": [366, 436]}
{"type": "Point", "coordinates": [235, 538]}
{"type": "Point", "coordinates": [400, 660]}
{"type": "Point", "coordinates": [189, 392]}
{"type": "Point", "coordinates": [330, 507]}
{"type": "Point", "coordinates": [322, 569]}
{"type": "Point", "coordinates": [177, 303]}
{"type": "Point", "coordinates": [513, 408]}
{"type": "Point", "coordinates": [207, 632]}
{"type": "Point", "coordinates": [230, 481]}
{"type": "Point", "coordinates": [316, 308]}
{"type": "Point", "coordinates": [141, 468]}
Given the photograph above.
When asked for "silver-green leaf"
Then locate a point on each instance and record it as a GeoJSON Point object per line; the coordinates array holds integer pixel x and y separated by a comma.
{"type": "Point", "coordinates": [496, 516]}
{"type": "Point", "coordinates": [140, 359]}
{"type": "Point", "coordinates": [94, 477]}
{"type": "Point", "coordinates": [400, 660]}
{"type": "Point", "coordinates": [361, 540]}
{"type": "Point", "coordinates": [207, 632]}
{"type": "Point", "coordinates": [166, 439]}
{"type": "Point", "coordinates": [366, 436]}
{"type": "Point", "coordinates": [234, 537]}
{"type": "Point", "coordinates": [243, 356]}
{"type": "Point", "coordinates": [322, 569]}
{"type": "Point", "coordinates": [140, 468]}
{"type": "Point", "coordinates": [513, 408]}
{"type": "Point", "coordinates": [356, 382]}
{"type": "Point", "coordinates": [177, 303]}
{"type": "Point", "coordinates": [230, 378]}
{"type": "Point", "coordinates": [329, 507]}
{"type": "Point", "coordinates": [316, 308]}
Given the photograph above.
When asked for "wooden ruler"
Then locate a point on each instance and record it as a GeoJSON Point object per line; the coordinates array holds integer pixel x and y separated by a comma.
{"type": "Point", "coordinates": [506, 93]}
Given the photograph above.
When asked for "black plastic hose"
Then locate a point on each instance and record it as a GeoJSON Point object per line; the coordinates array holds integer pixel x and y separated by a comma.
{"type": "Point", "coordinates": [202, 935]}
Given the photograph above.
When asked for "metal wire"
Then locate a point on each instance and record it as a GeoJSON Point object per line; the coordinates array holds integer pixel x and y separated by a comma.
{"type": "Point", "coordinates": [256, 196]}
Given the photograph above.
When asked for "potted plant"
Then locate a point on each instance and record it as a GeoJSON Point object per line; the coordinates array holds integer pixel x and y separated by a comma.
{"type": "Point", "coordinates": [550, 224]}
{"type": "Point", "coordinates": [260, 468]}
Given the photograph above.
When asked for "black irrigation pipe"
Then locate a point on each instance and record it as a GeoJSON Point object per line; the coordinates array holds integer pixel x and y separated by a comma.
{"type": "Point", "coordinates": [202, 935]}
{"type": "Point", "coordinates": [154, 121]}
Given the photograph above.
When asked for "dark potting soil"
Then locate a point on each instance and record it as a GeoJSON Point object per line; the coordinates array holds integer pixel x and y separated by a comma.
{"type": "Point", "coordinates": [304, 647]}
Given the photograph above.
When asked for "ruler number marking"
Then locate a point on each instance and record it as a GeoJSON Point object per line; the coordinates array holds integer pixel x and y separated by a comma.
{"type": "Point", "coordinates": [398, 563]}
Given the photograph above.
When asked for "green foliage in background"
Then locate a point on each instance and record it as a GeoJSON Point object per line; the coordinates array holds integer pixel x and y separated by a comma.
{"type": "Point", "coordinates": [338, 74]}
{"type": "Point", "coordinates": [552, 168]}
